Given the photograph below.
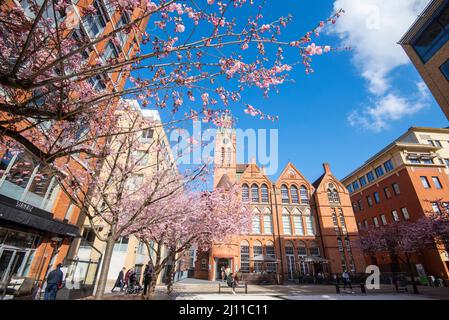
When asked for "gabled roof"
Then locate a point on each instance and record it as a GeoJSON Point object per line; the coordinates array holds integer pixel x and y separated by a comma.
{"type": "Point", "coordinates": [318, 181]}
{"type": "Point", "coordinates": [224, 182]}
{"type": "Point", "coordinates": [240, 168]}
{"type": "Point", "coordinates": [329, 177]}
{"type": "Point", "coordinates": [290, 166]}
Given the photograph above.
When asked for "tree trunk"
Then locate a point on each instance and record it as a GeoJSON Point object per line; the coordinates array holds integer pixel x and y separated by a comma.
{"type": "Point", "coordinates": [103, 278]}
{"type": "Point", "coordinates": [152, 285]}
{"type": "Point", "coordinates": [170, 277]}
{"type": "Point", "coordinates": [412, 275]}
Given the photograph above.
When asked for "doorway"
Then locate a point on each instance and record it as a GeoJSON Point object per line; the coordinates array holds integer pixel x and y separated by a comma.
{"type": "Point", "coordinates": [12, 263]}
{"type": "Point", "coordinates": [224, 262]}
{"type": "Point", "coordinates": [291, 267]}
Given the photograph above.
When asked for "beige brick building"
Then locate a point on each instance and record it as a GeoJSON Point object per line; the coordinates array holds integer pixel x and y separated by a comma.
{"type": "Point", "coordinates": [427, 45]}
{"type": "Point", "coordinates": [129, 251]}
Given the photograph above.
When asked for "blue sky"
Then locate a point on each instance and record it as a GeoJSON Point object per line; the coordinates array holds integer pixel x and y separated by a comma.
{"type": "Point", "coordinates": [357, 101]}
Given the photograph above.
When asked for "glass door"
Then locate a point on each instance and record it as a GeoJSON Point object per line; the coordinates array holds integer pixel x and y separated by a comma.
{"type": "Point", "coordinates": [11, 263]}
{"type": "Point", "coordinates": [6, 259]}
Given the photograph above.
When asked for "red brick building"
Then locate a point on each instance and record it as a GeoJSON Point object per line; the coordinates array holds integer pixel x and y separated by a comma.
{"type": "Point", "coordinates": [38, 223]}
{"type": "Point", "coordinates": [299, 229]}
{"type": "Point", "coordinates": [404, 182]}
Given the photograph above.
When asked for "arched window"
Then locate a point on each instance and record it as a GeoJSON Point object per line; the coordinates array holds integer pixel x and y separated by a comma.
{"type": "Point", "coordinates": [268, 223]}
{"type": "Point", "coordinates": [229, 156]}
{"type": "Point", "coordinates": [332, 194]}
{"type": "Point", "coordinates": [302, 249]}
{"type": "Point", "coordinates": [244, 256]}
{"type": "Point", "coordinates": [255, 193]}
{"type": "Point", "coordinates": [286, 223]}
{"type": "Point", "coordinates": [257, 251]}
{"type": "Point", "coordinates": [309, 226]}
{"type": "Point", "coordinates": [256, 222]}
{"type": "Point", "coordinates": [294, 194]}
{"type": "Point", "coordinates": [245, 193]}
{"type": "Point", "coordinates": [264, 191]}
{"type": "Point", "coordinates": [271, 253]}
{"type": "Point", "coordinates": [314, 249]}
{"type": "Point", "coordinates": [298, 223]}
{"type": "Point", "coordinates": [223, 155]}
{"type": "Point", "coordinates": [304, 195]}
{"type": "Point", "coordinates": [289, 248]}
{"type": "Point", "coordinates": [284, 194]}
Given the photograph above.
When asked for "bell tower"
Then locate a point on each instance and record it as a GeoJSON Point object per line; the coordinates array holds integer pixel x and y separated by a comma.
{"type": "Point", "coordinates": [225, 151]}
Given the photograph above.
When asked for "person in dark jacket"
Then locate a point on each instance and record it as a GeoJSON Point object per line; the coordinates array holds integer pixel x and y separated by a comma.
{"type": "Point", "coordinates": [120, 282]}
{"type": "Point", "coordinates": [54, 283]}
{"type": "Point", "coordinates": [147, 276]}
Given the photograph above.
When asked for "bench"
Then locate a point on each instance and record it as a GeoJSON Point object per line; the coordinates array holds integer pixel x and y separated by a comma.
{"type": "Point", "coordinates": [401, 286]}
{"type": "Point", "coordinates": [339, 286]}
{"type": "Point", "coordinates": [241, 285]}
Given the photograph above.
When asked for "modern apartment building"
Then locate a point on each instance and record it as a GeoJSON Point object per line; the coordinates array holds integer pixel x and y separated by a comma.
{"type": "Point", "coordinates": [405, 181]}
{"type": "Point", "coordinates": [129, 251]}
{"type": "Point", "coordinates": [299, 229]}
{"type": "Point", "coordinates": [427, 45]}
{"type": "Point", "coordinates": [37, 220]}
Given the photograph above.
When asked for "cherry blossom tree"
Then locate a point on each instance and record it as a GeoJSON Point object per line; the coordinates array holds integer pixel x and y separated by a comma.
{"type": "Point", "coordinates": [133, 176]}
{"type": "Point", "coordinates": [197, 60]}
{"type": "Point", "coordinates": [404, 239]}
{"type": "Point", "coordinates": [197, 219]}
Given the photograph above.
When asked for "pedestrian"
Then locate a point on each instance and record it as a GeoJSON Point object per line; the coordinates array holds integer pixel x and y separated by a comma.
{"type": "Point", "coordinates": [223, 273]}
{"type": "Point", "coordinates": [233, 281]}
{"type": "Point", "coordinates": [147, 277]}
{"type": "Point", "coordinates": [227, 271]}
{"type": "Point", "coordinates": [54, 283]}
{"type": "Point", "coordinates": [132, 281]}
{"type": "Point", "coordinates": [127, 277]}
{"type": "Point", "coordinates": [120, 282]}
{"type": "Point", "coordinates": [346, 280]}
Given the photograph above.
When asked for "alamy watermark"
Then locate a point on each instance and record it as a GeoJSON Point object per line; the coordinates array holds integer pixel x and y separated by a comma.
{"type": "Point", "coordinates": [234, 146]}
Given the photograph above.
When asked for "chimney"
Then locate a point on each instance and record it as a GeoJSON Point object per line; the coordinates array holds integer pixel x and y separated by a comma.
{"type": "Point", "coordinates": [263, 169]}
{"type": "Point", "coordinates": [253, 160]}
{"type": "Point", "coordinates": [327, 168]}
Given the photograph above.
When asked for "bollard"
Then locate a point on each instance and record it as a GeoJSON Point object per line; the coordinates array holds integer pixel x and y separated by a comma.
{"type": "Point", "coordinates": [337, 287]}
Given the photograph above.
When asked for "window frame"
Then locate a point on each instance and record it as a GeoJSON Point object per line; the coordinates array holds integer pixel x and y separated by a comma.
{"type": "Point", "coordinates": [425, 182]}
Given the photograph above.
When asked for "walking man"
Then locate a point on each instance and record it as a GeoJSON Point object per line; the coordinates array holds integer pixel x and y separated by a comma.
{"type": "Point", "coordinates": [54, 283]}
{"type": "Point", "coordinates": [147, 277]}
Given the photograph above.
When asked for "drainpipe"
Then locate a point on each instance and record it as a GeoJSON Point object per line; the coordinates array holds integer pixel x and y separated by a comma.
{"type": "Point", "coordinates": [279, 233]}
{"type": "Point", "coordinates": [319, 225]}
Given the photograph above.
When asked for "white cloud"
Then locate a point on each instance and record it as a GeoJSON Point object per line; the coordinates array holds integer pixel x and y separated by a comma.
{"type": "Point", "coordinates": [372, 29]}
{"type": "Point", "coordinates": [389, 107]}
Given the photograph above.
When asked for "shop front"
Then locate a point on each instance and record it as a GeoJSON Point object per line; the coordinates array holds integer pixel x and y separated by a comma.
{"type": "Point", "coordinates": [30, 240]}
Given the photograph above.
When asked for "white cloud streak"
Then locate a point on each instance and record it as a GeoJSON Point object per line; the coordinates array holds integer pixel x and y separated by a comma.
{"type": "Point", "coordinates": [372, 29]}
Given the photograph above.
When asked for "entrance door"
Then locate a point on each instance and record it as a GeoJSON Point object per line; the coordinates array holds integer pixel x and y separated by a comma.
{"type": "Point", "coordinates": [11, 263]}
{"type": "Point", "coordinates": [290, 266]}
{"type": "Point", "coordinates": [222, 263]}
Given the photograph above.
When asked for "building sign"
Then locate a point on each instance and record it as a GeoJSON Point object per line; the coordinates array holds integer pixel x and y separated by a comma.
{"type": "Point", "coordinates": [24, 206]}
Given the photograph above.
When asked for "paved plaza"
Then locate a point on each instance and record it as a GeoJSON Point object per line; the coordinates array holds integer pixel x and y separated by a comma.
{"type": "Point", "coordinates": [192, 289]}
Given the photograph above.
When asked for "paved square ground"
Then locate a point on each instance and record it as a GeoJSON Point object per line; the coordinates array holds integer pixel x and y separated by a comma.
{"type": "Point", "coordinates": [192, 289]}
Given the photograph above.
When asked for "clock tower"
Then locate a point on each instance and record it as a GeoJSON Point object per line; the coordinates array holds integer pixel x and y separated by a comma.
{"type": "Point", "coordinates": [225, 151]}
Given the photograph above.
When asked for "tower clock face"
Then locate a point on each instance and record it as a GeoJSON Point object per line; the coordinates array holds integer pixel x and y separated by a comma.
{"type": "Point", "coordinates": [225, 141]}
